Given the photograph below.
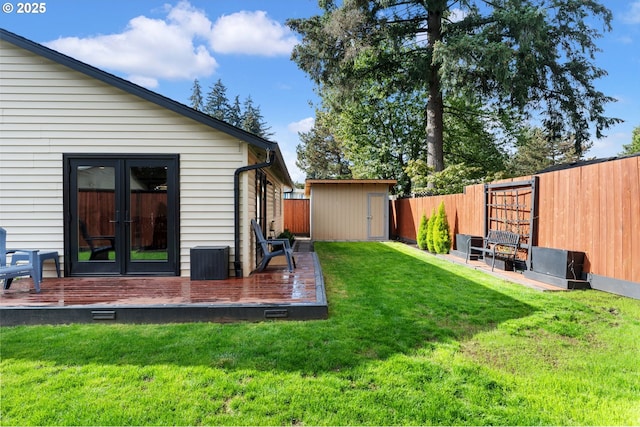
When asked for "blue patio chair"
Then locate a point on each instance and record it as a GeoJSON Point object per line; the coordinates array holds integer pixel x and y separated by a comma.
{"type": "Point", "coordinates": [272, 248]}
{"type": "Point", "coordinates": [9, 272]}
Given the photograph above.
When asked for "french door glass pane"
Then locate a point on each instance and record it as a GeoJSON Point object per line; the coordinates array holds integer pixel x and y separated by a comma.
{"type": "Point", "coordinates": [96, 213]}
{"type": "Point", "coordinates": [148, 215]}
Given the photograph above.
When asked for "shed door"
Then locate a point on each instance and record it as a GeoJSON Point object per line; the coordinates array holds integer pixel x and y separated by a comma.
{"type": "Point", "coordinates": [377, 216]}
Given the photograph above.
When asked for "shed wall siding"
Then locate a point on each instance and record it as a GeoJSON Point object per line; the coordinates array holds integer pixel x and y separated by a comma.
{"type": "Point", "coordinates": [339, 211]}
{"type": "Point", "coordinates": [48, 109]}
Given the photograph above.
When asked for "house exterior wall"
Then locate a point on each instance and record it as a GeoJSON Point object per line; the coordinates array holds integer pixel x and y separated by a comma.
{"type": "Point", "coordinates": [339, 211]}
{"type": "Point", "coordinates": [275, 195]}
{"type": "Point", "coordinates": [48, 109]}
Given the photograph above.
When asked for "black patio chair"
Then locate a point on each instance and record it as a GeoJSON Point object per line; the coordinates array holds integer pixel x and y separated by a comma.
{"type": "Point", "coordinates": [98, 252]}
{"type": "Point", "coordinates": [272, 248]}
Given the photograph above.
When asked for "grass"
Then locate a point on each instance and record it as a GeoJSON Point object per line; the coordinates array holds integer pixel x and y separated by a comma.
{"type": "Point", "coordinates": [411, 340]}
{"type": "Point", "coordinates": [158, 255]}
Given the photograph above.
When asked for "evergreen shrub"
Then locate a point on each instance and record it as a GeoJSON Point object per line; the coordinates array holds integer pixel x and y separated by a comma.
{"type": "Point", "coordinates": [441, 237]}
{"type": "Point", "coordinates": [430, 224]}
{"type": "Point", "coordinates": [422, 232]}
{"type": "Point", "coordinates": [287, 234]}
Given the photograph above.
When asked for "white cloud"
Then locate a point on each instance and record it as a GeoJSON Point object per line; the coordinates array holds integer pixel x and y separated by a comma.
{"type": "Point", "coordinates": [192, 21]}
{"type": "Point", "coordinates": [178, 47]}
{"type": "Point", "coordinates": [148, 82]}
{"type": "Point", "coordinates": [625, 39]}
{"type": "Point", "coordinates": [288, 140]}
{"type": "Point", "coordinates": [610, 145]}
{"type": "Point", "coordinates": [633, 16]}
{"type": "Point", "coordinates": [303, 125]}
{"type": "Point", "coordinates": [252, 33]}
{"type": "Point", "coordinates": [294, 172]}
{"type": "Point", "coordinates": [149, 49]}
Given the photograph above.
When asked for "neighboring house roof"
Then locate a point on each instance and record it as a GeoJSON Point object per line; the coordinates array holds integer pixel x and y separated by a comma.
{"type": "Point", "coordinates": [147, 95]}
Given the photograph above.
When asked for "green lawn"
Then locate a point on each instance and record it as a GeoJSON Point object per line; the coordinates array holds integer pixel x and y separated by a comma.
{"type": "Point", "coordinates": [410, 340]}
{"type": "Point", "coordinates": [159, 255]}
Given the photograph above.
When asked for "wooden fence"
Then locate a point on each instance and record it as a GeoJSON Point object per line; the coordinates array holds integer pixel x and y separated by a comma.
{"type": "Point", "coordinates": [296, 216]}
{"type": "Point", "coordinates": [149, 216]}
{"type": "Point", "coordinates": [593, 209]}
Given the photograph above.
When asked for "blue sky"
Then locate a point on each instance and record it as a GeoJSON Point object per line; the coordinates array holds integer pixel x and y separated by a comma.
{"type": "Point", "coordinates": [165, 44]}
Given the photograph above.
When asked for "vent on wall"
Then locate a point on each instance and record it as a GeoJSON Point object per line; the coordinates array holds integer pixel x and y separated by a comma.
{"type": "Point", "coordinates": [276, 314]}
{"type": "Point", "coordinates": [103, 315]}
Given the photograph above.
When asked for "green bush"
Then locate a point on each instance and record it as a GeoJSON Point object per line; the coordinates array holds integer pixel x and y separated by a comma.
{"type": "Point", "coordinates": [441, 237]}
{"type": "Point", "coordinates": [286, 234]}
{"type": "Point", "coordinates": [430, 224]}
{"type": "Point", "coordinates": [422, 232]}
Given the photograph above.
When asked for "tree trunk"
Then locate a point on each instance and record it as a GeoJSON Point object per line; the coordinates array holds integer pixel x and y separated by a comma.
{"type": "Point", "coordinates": [435, 154]}
{"type": "Point", "coordinates": [434, 110]}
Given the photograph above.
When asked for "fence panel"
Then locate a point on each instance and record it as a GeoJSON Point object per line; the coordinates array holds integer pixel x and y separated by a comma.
{"type": "Point", "coordinates": [593, 209]}
{"type": "Point", "coordinates": [465, 212]}
{"type": "Point", "coordinates": [148, 229]}
{"type": "Point", "coordinates": [296, 216]}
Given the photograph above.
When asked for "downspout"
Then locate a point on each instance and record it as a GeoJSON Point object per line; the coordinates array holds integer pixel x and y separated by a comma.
{"type": "Point", "coordinates": [271, 156]}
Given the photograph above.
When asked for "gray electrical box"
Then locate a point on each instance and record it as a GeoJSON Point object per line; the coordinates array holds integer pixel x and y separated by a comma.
{"type": "Point", "coordinates": [210, 263]}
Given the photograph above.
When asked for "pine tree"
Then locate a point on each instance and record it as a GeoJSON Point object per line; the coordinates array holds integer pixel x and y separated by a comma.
{"type": "Point", "coordinates": [217, 103]}
{"type": "Point", "coordinates": [196, 96]}
{"type": "Point", "coordinates": [320, 153]}
{"type": "Point", "coordinates": [634, 146]}
{"type": "Point", "coordinates": [235, 113]}
{"type": "Point", "coordinates": [529, 58]}
{"type": "Point", "coordinates": [537, 150]}
{"type": "Point", "coordinates": [252, 120]}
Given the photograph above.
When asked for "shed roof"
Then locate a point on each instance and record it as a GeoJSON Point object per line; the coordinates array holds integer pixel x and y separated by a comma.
{"type": "Point", "coordinates": [311, 182]}
{"type": "Point", "coordinates": [147, 95]}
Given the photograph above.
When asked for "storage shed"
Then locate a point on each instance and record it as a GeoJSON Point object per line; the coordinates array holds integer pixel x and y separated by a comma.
{"type": "Point", "coordinates": [350, 209]}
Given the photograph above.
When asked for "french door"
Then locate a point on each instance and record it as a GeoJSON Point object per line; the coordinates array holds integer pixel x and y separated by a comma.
{"type": "Point", "coordinates": [121, 215]}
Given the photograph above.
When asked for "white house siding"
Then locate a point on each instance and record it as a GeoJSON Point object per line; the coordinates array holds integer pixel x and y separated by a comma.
{"type": "Point", "coordinates": [248, 251]}
{"type": "Point", "coordinates": [275, 194]}
{"type": "Point", "coordinates": [48, 109]}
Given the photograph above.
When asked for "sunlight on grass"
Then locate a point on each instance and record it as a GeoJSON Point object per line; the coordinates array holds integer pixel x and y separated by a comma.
{"type": "Point", "coordinates": [410, 340]}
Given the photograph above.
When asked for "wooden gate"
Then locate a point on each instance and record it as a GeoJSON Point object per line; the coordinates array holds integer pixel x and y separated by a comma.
{"type": "Point", "coordinates": [296, 216]}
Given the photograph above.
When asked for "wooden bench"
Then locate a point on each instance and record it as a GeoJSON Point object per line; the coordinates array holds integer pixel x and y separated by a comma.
{"type": "Point", "coordinates": [498, 243]}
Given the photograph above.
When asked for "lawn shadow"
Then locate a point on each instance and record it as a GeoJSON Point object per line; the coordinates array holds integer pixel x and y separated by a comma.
{"type": "Point", "coordinates": [382, 302]}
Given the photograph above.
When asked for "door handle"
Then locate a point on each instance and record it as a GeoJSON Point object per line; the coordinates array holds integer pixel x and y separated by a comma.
{"type": "Point", "coordinates": [117, 220]}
